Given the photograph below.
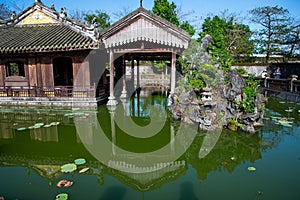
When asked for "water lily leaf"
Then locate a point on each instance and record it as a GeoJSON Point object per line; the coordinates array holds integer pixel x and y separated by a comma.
{"type": "Point", "coordinates": [68, 114]}
{"type": "Point", "coordinates": [79, 113]}
{"type": "Point", "coordinates": [282, 102]}
{"type": "Point", "coordinates": [70, 167]}
{"type": "Point", "coordinates": [276, 117]}
{"type": "Point", "coordinates": [79, 161]}
{"type": "Point", "coordinates": [21, 129]}
{"type": "Point", "coordinates": [251, 168]}
{"type": "Point", "coordinates": [75, 108]}
{"type": "Point", "coordinates": [289, 110]}
{"type": "Point", "coordinates": [286, 124]}
{"type": "Point", "coordinates": [62, 196]}
{"type": "Point", "coordinates": [55, 123]}
{"type": "Point", "coordinates": [47, 125]}
{"type": "Point", "coordinates": [31, 127]}
{"type": "Point", "coordinates": [39, 124]}
{"type": "Point", "coordinates": [84, 170]}
{"type": "Point", "coordinates": [233, 158]}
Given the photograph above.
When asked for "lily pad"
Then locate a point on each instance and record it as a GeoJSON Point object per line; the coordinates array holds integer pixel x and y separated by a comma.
{"type": "Point", "coordinates": [289, 110]}
{"type": "Point", "coordinates": [47, 125]}
{"type": "Point", "coordinates": [251, 168]}
{"type": "Point", "coordinates": [80, 161]}
{"type": "Point", "coordinates": [21, 129]}
{"type": "Point", "coordinates": [84, 170]}
{"type": "Point", "coordinates": [39, 124]}
{"type": "Point", "coordinates": [286, 124]}
{"type": "Point", "coordinates": [62, 196]}
{"type": "Point", "coordinates": [70, 167]}
{"type": "Point", "coordinates": [31, 127]}
{"type": "Point", "coordinates": [55, 123]}
{"type": "Point", "coordinates": [69, 115]}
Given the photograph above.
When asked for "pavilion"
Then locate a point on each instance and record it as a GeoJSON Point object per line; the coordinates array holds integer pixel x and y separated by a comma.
{"type": "Point", "coordinates": [46, 57]}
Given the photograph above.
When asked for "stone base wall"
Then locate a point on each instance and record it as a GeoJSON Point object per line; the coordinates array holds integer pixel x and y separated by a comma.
{"type": "Point", "coordinates": [46, 101]}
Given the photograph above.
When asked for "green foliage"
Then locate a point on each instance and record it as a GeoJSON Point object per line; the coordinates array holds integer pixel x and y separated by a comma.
{"type": "Point", "coordinates": [195, 81]}
{"type": "Point", "coordinates": [248, 105]}
{"type": "Point", "coordinates": [274, 23]}
{"type": "Point", "coordinates": [228, 39]}
{"type": "Point", "coordinates": [241, 71]}
{"type": "Point", "coordinates": [158, 66]}
{"type": "Point", "coordinates": [198, 70]}
{"type": "Point", "coordinates": [234, 122]}
{"type": "Point", "coordinates": [99, 17]}
{"type": "Point", "coordinates": [188, 27]}
{"type": "Point", "coordinates": [167, 11]}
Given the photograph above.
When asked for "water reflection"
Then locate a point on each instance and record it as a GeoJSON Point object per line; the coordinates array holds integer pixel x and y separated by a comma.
{"type": "Point", "coordinates": [44, 150]}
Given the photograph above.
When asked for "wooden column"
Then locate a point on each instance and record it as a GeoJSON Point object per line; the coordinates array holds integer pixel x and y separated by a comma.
{"type": "Point", "coordinates": [32, 76]}
{"type": "Point", "coordinates": [38, 73]}
{"type": "Point", "coordinates": [173, 72]}
{"type": "Point", "coordinates": [2, 74]}
{"type": "Point", "coordinates": [47, 72]}
{"type": "Point", "coordinates": [124, 91]}
{"type": "Point", "coordinates": [111, 99]}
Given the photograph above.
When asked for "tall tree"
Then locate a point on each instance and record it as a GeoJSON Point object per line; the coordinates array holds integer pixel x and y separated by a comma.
{"type": "Point", "coordinates": [4, 12]}
{"type": "Point", "coordinates": [229, 39]}
{"type": "Point", "coordinates": [274, 22]}
{"type": "Point", "coordinates": [292, 40]}
{"type": "Point", "coordinates": [166, 10]}
{"type": "Point", "coordinates": [169, 12]}
{"type": "Point", "coordinates": [99, 17]}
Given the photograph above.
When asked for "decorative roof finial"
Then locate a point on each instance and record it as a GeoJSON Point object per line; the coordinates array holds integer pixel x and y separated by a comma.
{"type": "Point", "coordinates": [13, 15]}
{"type": "Point", "coordinates": [53, 6]}
{"type": "Point", "coordinates": [141, 3]}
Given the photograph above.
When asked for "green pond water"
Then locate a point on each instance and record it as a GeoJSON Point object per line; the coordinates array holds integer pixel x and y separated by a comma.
{"type": "Point", "coordinates": [123, 166]}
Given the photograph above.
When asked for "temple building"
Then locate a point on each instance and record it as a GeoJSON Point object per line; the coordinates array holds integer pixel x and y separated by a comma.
{"type": "Point", "coordinates": [47, 58]}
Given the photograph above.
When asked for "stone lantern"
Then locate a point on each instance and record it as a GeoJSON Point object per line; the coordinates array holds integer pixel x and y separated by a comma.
{"type": "Point", "coordinates": [206, 94]}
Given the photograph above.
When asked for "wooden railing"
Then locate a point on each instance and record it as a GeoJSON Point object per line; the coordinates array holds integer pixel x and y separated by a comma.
{"type": "Point", "coordinates": [60, 91]}
{"type": "Point", "coordinates": [155, 80]}
{"type": "Point", "coordinates": [282, 84]}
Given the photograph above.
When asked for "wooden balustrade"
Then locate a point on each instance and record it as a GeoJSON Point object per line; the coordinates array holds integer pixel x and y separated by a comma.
{"type": "Point", "coordinates": [282, 84]}
{"type": "Point", "coordinates": [61, 91]}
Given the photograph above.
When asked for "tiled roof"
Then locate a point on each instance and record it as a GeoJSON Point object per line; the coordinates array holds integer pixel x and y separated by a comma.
{"type": "Point", "coordinates": [42, 38]}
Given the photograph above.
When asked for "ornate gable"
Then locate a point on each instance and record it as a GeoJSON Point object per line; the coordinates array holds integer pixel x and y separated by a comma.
{"type": "Point", "coordinates": [141, 25]}
{"type": "Point", "coordinates": [37, 17]}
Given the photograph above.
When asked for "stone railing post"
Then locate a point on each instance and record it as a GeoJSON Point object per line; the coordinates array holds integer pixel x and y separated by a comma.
{"type": "Point", "coordinates": [293, 78]}
{"type": "Point", "coordinates": [266, 84]}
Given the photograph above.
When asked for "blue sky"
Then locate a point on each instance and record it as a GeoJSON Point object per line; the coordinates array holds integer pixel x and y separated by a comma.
{"type": "Point", "coordinates": [199, 8]}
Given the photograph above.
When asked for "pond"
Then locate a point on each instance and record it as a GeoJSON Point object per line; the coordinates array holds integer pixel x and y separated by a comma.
{"type": "Point", "coordinates": [136, 152]}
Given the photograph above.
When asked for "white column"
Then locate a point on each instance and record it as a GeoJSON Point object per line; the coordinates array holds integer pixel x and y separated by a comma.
{"type": "Point", "coordinates": [173, 72]}
{"type": "Point", "coordinates": [111, 99]}
{"type": "Point", "coordinates": [124, 91]}
{"type": "Point", "coordinates": [138, 74]}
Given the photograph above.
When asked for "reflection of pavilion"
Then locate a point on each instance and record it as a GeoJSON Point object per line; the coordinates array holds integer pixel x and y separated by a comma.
{"type": "Point", "coordinates": [49, 168]}
{"type": "Point", "coordinates": [147, 181]}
